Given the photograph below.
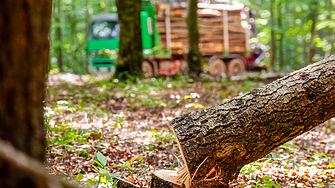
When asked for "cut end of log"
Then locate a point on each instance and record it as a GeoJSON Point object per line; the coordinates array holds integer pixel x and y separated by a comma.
{"type": "Point", "coordinates": [166, 178]}
{"type": "Point", "coordinates": [183, 175]}
{"type": "Point", "coordinates": [171, 178]}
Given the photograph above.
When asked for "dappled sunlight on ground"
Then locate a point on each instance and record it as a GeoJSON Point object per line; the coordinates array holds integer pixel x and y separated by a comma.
{"type": "Point", "coordinates": [130, 125]}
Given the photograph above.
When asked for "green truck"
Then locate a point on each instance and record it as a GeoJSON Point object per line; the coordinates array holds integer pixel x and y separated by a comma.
{"type": "Point", "coordinates": [158, 39]}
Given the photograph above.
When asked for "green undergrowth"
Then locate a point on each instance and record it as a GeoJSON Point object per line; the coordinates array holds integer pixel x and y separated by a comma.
{"type": "Point", "coordinates": [71, 107]}
{"type": "Point", "coordinates": [289, 163]}
{"type": "Point", "coordinates": [149, 93]}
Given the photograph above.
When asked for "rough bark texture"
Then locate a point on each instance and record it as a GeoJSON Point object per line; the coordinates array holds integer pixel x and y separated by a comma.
{"type": "Point", "coordinates": [225, 138]}
{"type": "Point", "coordinates": [193, 55]}
{"type": "Point", "coordinates": [130, 49]}
{"type": "Point", "coordinates": [24, 56]}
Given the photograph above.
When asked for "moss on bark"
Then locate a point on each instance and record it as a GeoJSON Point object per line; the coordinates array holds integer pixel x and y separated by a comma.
{"type": "Point", "coordinates": [193, 55]}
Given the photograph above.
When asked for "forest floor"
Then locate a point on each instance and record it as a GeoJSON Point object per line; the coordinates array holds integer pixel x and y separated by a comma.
{"type": "Point", "coordinates": [98, 130]}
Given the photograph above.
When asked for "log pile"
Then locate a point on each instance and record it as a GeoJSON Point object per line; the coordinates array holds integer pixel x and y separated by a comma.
{"type": "Point", "coordinates": [211, 27]}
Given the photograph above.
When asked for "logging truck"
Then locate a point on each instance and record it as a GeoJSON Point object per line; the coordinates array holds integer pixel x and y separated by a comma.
{"type": "Point", "coordinates": [224, 39]}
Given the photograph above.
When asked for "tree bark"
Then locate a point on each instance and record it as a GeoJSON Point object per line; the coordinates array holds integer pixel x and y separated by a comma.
{"type": "Point", "coordinates": [330, 31]}
{"type": "Point", "coordinates": [59, 37]}
{"type": "Point", "coordinates": [281, 40]}
{"type": "Point", "coordinates": [130, 49]}
{"type": "Point", "coordinates": [24, 56]}
{"type": "Point", "coordinates": [313, 17]}
{"type": "Point", "coordinates": [273, 39]}
{"type": "Point", "coordinates": [74, 42]}
{"type": "Point", "coordinates": [30, 167]}
{"type": "Point", "coordinates": [193, 55]}
{"type": "Point", "coordinates": [217, 142]}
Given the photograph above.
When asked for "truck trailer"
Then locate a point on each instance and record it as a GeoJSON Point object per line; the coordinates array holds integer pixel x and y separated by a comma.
{"type": "Point", "coordinates": [224, 39]}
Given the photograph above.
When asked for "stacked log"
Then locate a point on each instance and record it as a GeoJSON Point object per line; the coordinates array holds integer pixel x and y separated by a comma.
{"type": "Point", "coordinates": [211, 27]}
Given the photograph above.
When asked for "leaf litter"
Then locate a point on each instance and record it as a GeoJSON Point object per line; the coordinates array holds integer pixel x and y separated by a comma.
{"type": "Point", "coordinates": [126, 126]}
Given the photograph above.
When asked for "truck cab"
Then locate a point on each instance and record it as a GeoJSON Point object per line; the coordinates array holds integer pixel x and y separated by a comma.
{"type": "Point", "coordinates": [103, 42]}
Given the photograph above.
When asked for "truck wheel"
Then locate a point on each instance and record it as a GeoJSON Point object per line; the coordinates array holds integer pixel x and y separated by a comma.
{"type": "Point", "coordinates": [217, 67]}
{"type": "Point", "coordinates": [147, 69]}
{"type": "Point", "coordinates": [236, 67]}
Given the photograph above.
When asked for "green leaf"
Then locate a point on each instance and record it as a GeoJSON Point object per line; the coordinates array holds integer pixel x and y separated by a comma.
{"type": "Point", "coordinates": [102, 171]}
{"type": "Point", "coordinates": [271, 183]}
{"type": "Point", "coordinates": [111, 176]}
{"type": "Point", "coordinates": [90, 181]}
{"type": "Point", "coordinates": [331, 165]}
{"type": "Point", "coordinates": [115, 175]}
{"type": "Point", "coordinates": [127, 164]}
{"type": "Point", "coordinates": [101, 158]}
{"type": "Point", "coordinates": [95, 167]}
{"type": "Point", "coordinates": [80, 177]}
{"type": "Point", "coordinates": [98, 163]}
{"type": "Point", "coordinates": [266, 177]}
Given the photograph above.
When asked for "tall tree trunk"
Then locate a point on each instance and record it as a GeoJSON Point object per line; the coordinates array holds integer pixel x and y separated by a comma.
{"type": "Point", "coordinates": [193, 55]}
{"type": "Point", "coordinates": [130, 49]}
{"type": "Point", "coordinates": [330, 31]}
{"type": "Point", "coordinates": [217, 142]}
{"type": "Point", "coordinates": [281, 40]}
{"type": "Point", "coordinates": [59, 37]}
{"type": "Point", "coordinates": [73, 20]}
{"type": "Point", "coordinates": [273, 39]}
{"type": "Point", "coordinates": [24, 56]}
{"type": "Point", "coordinates": [87, 24]}
{"type": "Point", "coordinates": [313, 17]}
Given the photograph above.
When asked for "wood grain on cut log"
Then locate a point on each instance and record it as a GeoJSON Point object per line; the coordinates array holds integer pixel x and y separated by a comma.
{"type": "Point", "coordinates": [217, 142]}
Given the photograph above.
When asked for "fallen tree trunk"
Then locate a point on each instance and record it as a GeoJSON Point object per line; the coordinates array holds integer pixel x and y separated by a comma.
{"type": "Point", "coordinates": [217, 142]}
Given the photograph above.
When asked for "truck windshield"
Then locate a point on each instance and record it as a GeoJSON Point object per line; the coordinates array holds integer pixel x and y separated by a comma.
{"type": "Point", "coordinates": [104, 30]}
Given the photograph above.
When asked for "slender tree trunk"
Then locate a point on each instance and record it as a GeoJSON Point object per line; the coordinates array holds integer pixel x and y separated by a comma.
{"type": "Point", "coordinates": [273, 39]}
{"type": "Point", "coordinates": [24, 57]}
{"type": "Point", "coordinates": [330, 31]}
{"type": "Point", "coordinates": [130, 49]}
{"type": "Point", "coordinates": [217, 142]}
{"type": "Point", "coordinates": [305, 61]}
{"type": "Point", "coordinates": [281, 40]}
{"type": "Point", "coordinates": [59, 37]}
{"type": "Point", "coordinates": [73, 20]}
{"type": "Point", "coordinates": [193, 55]}
{"type": "Point", "coordinates": [87, 24]}
{"type": "Point", "coordinates": [313, 17]}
